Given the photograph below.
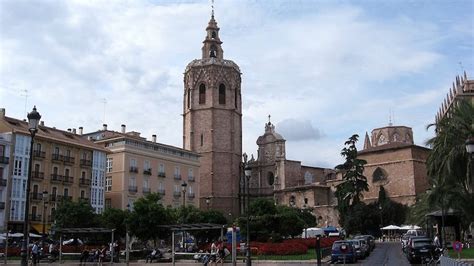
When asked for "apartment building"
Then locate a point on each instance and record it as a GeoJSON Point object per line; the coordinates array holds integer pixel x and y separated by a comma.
{"type": "Point", "coordinates": [137, 166]}
{"type": "Point", "coordinates": [64, 166]}
{"type": "Point", "coordinates": [5, 144]}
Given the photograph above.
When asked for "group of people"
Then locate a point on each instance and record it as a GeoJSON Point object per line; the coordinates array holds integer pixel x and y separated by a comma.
{"type": "Point", "coordinates": [37, 253]}
{"type": "Point", "coordinates": [100, 254]}
{"type": "Point", "coordinates": [216, 254]}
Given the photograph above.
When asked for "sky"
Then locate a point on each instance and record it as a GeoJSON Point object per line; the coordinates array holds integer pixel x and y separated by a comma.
{"type": "Point", "coordinates": [324, 70]}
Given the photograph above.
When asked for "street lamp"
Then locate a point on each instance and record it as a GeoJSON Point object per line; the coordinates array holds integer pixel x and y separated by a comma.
{"type": "Point", "coordinates": [248, 174]}
{"type": "Point", "coordinates": [183, 188]}
{"type": "Point", "coordinates": [33, 121]}
{"type": "Point", "coordinates": [45, 205]}
{"type": "Point", "coordinates": [470, 150]}
{"type": "Point", "coordinates": [208, 201]}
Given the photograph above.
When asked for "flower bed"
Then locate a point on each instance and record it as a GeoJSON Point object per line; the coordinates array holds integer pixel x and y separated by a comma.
{"type": "Point", "coordinates": [279, 248]}
{"type": "Point", "coordinates": [311, 242]}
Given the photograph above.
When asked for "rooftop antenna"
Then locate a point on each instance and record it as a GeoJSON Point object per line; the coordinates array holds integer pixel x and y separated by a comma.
{"type": "Point", "coordinates": [390, 117]}
{"type": "Point", "coordinates": [104, 101]}
{"type": "Point", "coordinates": [25, 94]}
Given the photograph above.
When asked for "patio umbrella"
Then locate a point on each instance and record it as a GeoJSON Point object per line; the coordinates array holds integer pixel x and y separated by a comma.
{"type": "Point", "coordinates": [391, 227]}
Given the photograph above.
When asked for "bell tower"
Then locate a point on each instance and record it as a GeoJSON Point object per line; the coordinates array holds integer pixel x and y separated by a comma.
{"type": "Point", "coordinates": [212, 122]}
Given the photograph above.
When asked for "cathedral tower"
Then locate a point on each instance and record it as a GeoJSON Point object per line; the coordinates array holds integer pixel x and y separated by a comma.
{"type": "Point", "coordinates": [212, 122]}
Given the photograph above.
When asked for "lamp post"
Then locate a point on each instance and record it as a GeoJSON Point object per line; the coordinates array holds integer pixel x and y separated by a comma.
{"type": "Point", "coordinates": [470, 150]}
{"type": "Point", "coordinates": [208, 201]}
{"type": "Point", "coordinates": [248, 174]}
{"type": "Point", "coordinates": [45, 206]}
{"type": "Point", "coordinates": [33, 121]}
{"type": "Point", "coordinates": [127, 237]}
{"type": "Point", "coordinates": [183, 188]}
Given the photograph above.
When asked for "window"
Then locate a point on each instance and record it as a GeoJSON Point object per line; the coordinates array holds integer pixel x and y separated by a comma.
{"type": "Point", "coordinates": [56, 150]}
{"type": "Point", "coordinates": [84, 156]}
{"type": "Point", "coordinates": [38, 146]}
{"type": "Point", "coordinates": [202, 94]}
{"type": "Point", "coordinates": [177, 172]}
{"type": "Point", "coordinates": [33, 212]}
{"type": "Point", "coordinates": [68, 153]}
{"type": "Point", "coordinates": [108, 183]}
{"type": "Point", "coordinates": [37, 168]}
{"type": "Point", "coordinates": [162, 168]}
{"type": "Point", "coordinates": [379, 174]}
{"type": "Point", "coordinates": [55, 171]}
{"type": "Point", "coordinates": [2, 150]}
{"type": "Point", "coordinates": [202, 139]}
{"type": "Point", "coordinates": [83, 194]}
{"type": "Point", "coordinates": [145, 183]}
{"type": "Point", "coordinates": [17, 169]}
{"type": "Point", "coordinates": [110, 162]}
{"type": "Point", "coordinates": [54, 191]}
{"type": "Point", "coordinates": [83, 175]}
{"type": "Point", "coordinates": [222, 94]}
{"type": "Point", "coordinates": [308, 178]}
{"type": "Point", "coordinates": [146, 165]}
{"type": "Point", "coordinates": [133, 163]}
{"type": "Point", "coordinates": [190, 174]}
{"type": "Point", "coordinates": [382, 140]}
{"type": "Point", "coordinates": [132, 182]}
{"type": "Point", "coordinates": [235, 98]}
{"type": "Point", "coordinates": [213, 35]}
{"type": "Point", "coordinates": [270, 178]}
{"type": "Point", "coordinates": [189, 98]}
{"type": "Point", "coordinates": [1, 172]}
{"type": "Point", "coordinates": [66, 172]}
{"type": "Point", "coordinates": [66, 192]}
{"type": "Point", "coordinates": [213, 51]}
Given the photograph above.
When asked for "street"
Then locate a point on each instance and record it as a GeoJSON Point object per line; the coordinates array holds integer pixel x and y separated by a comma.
{"type": "Point", "coordinates": [386, 253]}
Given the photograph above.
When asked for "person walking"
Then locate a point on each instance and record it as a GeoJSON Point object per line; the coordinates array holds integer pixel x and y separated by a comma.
{"type": "Point", "coordinates": [35, 253]}
{"type": "Point", "coordinates": [436, 241]}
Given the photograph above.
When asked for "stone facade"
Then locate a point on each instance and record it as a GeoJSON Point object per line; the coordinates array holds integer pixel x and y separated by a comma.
{"type": "Point", "coordinates": [212, 122]}
{"type": "Point", "coordinates": [395, 163]}
{"type": "Point", "coordinates": [462, 88]}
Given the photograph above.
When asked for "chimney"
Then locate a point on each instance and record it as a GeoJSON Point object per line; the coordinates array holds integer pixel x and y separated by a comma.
{"type": "Point", "coordinates": [104, 127]}
{"type": "Point", "coordinates": [73, 131]}
{"type": "Point", "coordinates": [80, 130]}
{"type": "Point", "coordinates": [68, 130]}
{"type": "Point", "coordinates": [89, 137]}
{"type": "Point", "coordinates": [2, 112]}
{"type": "Point", "coordinates": [153, 138]}
{"type": "Point", "coordinates": [42, 123]}
{"type": "Point", "coordinates": [123, 129]}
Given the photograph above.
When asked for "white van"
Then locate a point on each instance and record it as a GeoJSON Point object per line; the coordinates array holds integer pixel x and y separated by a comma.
{"type": "Point", "coordinates": [312, 232]}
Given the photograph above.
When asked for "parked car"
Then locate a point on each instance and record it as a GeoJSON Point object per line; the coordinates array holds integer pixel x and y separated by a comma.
{"type": "Point", "coordinates": [364, 246]}
{"type": "Point", "coordinates": [343, 250]}
{"type": "Point", "coordinates": [419, 248]}
{"type": "Point", "coordinates": [369, 239]}
{"type": "Point", "coordinates": [356, 243]}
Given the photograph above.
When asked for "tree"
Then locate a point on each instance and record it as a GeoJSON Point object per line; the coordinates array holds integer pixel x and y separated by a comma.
{"type": "Point", "coordinates": [147, 216]}
{"type": "Point", "coordinates": [115, 219]}
{"type": "Point", "coordinates": [349, 191]}
{"type": "Point", "coordinates": [448, 162]}
{"type": "Point", "coordinates": [71, 214]}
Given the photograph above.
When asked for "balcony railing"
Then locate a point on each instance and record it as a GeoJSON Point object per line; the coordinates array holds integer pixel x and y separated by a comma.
{"type": "Point", "coordinates": [146, 190]}
{"type": "Point", "coordinates": [132, 189]}
{"type": "Point", "coordinates": [56, 157]}
{"type": "Point", "coordinates": [133, 169]}
{"type": "Point", "coordinates": [161, 174]}
{"type": "Point", "coordinates": [37, 175]}
{"type": "Point", "coordinates": [191, 178]}
{"type": "Point", "coordinates": [161, 192]}
{"type": "Point", "coordinates": [190, 195]}
{"type": "Point", "coordinates": [84, 182]}
{"type": "Point", "coordinates": [68, 179]}
{"type": "Point", "coordinates": [66, 198]}
{"type": "Point", "coordinates": [68, 159]}
{"type": "Point", "coordinates": [4, 160]}
{"type": "Point", "coordinates": [36, 196]}
{"type": "Point", "coordinates": [87, 163]}
{"type": "Point", "coordinates": [3, 182]}
{"type": "Point", "coordinates": [56, 178]}
{"type": "Point", "coordinates": [2, 205]}
{"type": "Point", "coordinates": [147, 171]}
{"type": "Point", "coordinates": [177, 176]}
{"type": "Point", "coordinates": [177, 194]}
{"type": "Point", "coordinates": [53, 197]}
{"type": "Point", "coordinates": [84, 199]}
{"type": "Point", "coordinates": [35, 218]}
{"type": "Point", "coordinates": [39, 154]}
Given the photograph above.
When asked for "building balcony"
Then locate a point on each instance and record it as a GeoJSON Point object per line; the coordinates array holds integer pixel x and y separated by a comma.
{"type": "Point", "coordinates": [36, 196]}
{"type": "Point", "coordinates": [55, 178]}
{"type": "Point", "coordinates": [56, 157]}
{"type": "Point", "coordinates": [39, 154]}
{"type": "Point", "coordinates": [4, 160]}
{"type": "Point", "coordinates": [68, 159]}
{"type": "Point", "coordinates": [68, 180]}
{"type": "Point", "coordinates": [161, 192]}
{"type": "Point", "coordinates": [146, 190]}
{"type": "Point", "coordinates": [37, 175]}
{"type": "Point", "coordinates": [190, 195]}
{"type": "Point", "coordinates": [35, 218]}
{"type": "Point", "coordinates": [132, 189]}
{"type": "Point", "coordinates": [177, 176]}
{"type": "Point", "coordinates": [64, 198]}
{"type": "Point", "coordinates": [2, 205]}
{"type": "Point", "coordinates": [177, 194]}
{"type": "Point", "coordinates": [161, 174]}
{"type": "Point", "coordinates": [133, 169]}
{"type": "Point", "coordinates": [147, 171]}
{"type": "Point", "coordinates": [3, 182]}
{"type": "Point", "coordinates": [54, 198]}
{"type": "Point", "coordinates": [191, 178]}
{"type": "Point", "coordinates": [86, 163]}
{"type": "Point", "coordinates": [84, 182]}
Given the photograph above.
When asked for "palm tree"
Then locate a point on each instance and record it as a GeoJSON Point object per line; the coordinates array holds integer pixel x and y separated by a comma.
{"type": "Point", "coordinates": [448, 161]}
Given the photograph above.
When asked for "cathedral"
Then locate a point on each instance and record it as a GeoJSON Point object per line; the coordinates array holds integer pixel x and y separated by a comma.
{"type": "Point", "coordinates": [212, 122]}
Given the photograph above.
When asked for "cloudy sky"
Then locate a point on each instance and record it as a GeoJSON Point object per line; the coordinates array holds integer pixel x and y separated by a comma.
{"type": "Point", "coordinates": [323, 69]}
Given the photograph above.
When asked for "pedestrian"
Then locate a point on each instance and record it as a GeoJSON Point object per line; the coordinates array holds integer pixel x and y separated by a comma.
{"type": "Point", "coordinates": [35, 253]}
{"type": "Point", "coordinates": [436, 241]}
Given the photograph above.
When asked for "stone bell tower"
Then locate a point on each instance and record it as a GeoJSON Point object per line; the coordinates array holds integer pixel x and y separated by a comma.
{"type": "Point", "coordinates": [212, 122]}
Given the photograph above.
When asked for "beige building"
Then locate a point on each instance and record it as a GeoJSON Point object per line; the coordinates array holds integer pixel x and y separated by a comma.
{"type": "Point", "coordinates": [289, 182]}
{"type": "Point", "coordinates": [396, 163]}
{"type": "Point", "coordinates": [137, 166]}
{"type": "Point", "coordinates": [212, 122]}
{"type": "Point", "coordinates": [65, 167]}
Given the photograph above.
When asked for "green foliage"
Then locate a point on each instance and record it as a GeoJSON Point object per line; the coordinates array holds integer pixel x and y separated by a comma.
{"type": "Point", "coordinates": [349, 191]}
{"type": "Point", "coordinates": [115, 219]}
{"type": "Point", "coordinates": [71, 214]}
{"type": "Point", "coordinates": [448, 162]}
{"type": "Point", "coordinates": [392, 212]}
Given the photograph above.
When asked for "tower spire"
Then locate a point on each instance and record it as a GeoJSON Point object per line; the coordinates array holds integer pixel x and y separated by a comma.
{"type": "Point", "coordinates": [212, 7]}
{"type": "Point", "coordinates": [212, 44]}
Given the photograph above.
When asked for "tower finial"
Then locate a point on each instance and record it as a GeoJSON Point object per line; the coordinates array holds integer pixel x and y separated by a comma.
{"type": "Point", "coordinates": [269, 116]}
{"type": "Point", "coordinates": [390, 117]}
{"type": "Point", "coordinates": [212, 7]}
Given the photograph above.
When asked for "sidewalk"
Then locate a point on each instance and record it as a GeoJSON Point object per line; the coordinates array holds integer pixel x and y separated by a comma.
{"type": "Point", "coordinates": [187, 263]}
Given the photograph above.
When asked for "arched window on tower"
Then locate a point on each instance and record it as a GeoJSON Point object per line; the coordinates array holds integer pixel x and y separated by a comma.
{"type": "Point", "coordinates": [271, 178]}
{"type": "Point", "coordinates": [235, 98]}
{"type": "Point", "coordinates": [202, 139]}
{"type": "Point", "coordinates": [379, 174]}
{"type": "Point", "coordinates": [202, 94]}
{"type": "Point", "coordinates": [213, 51]}
{"type": "Point", "coordinates": [222, 94]}
{"type": "Point", "coordinates": [213, 35]}
{"type": "Point", "coordinates": [189, 98]}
